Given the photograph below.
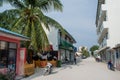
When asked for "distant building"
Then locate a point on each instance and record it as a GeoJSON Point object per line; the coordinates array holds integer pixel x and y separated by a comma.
{"type": "Point", "coordinates": [108, 30]}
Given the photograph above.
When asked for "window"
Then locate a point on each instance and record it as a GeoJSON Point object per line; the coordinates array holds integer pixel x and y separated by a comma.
{"type": "Point", "coordinates": [13, 45]}
{"type": "Point", "coordinates": [107, 35]}
{"type": "Point", "coordinates": [3, 54]}
{"type": "Point", "coordinates": [65, 37]}
{"type": "Point", "coordinates": [117, 54]}
{"type": "Point", "coordinates": [8, 55]}
{"type": "Point", "coordinates": [12, 55]}
{"type": "Point", "coordinates": [12, 59]}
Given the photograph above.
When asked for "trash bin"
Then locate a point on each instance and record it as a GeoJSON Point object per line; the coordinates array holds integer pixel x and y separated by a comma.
{"type": "Point", "coordinates": [59, 63]}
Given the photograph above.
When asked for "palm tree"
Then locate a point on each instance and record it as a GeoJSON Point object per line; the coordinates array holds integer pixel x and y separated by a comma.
{"type": "Point", "coordinates": [1, 2]}
{"type": "Point", "coordinates": [84, 52]}
{"type": "Point", "coordinates": [4, 1]}
{"type": "Point", "coordinates": [93, 48]}
{"type": "Point", "coordinates": [28, 19]}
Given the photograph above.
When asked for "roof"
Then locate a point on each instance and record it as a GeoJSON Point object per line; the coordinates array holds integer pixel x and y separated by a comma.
{"type": "Point", "coordinates": [103, 48]}
{"type": "Point", "coordinates": [21, 37]}
{"type": "Point", "coordinates": [68, 34]}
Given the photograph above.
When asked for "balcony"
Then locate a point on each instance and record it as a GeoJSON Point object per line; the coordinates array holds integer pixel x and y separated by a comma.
{"type": "Point", "coordinates": [104, 7]}
{"type": "Point", "coordinates": [102, 17]}
{"type": "Point", "coordinates": [66, 45]}
{"type": "Point", "coordinates": [101, 1]}
{"type": "Point", "coordinates": [102, 35]}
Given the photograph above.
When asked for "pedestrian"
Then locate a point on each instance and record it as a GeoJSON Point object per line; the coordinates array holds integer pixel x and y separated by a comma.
{"type": "Point", "coordinates": [75, 59]}
{"type": "Point", "coordinates": [66, 59]}
{"type": "Point", "coordinates": [109, 64]}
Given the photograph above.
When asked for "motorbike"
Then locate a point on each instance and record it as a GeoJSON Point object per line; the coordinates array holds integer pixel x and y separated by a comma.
{"type": "Point", "coordinates": [48, 69]}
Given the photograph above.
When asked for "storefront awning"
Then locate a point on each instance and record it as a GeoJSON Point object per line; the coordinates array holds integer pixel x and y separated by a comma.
{"type": "Point", "coordinates": [103, 48]}
{"type": "Point", "coordinates": [117, 46]}
{"type": "Point", "coordinates": [66, 45]}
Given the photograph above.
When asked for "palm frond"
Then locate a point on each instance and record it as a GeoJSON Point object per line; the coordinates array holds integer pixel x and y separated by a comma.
{"type": "Point", "coordinates": [57, 5]}
{"type": "Point", "coordinates": [33, 37]}
{"type": "Point", "coordinates": [42, 19]}
{"type": "Point", "coordinates": [44, 38]}
{"type": "Point", "coordinates": [26, 29]}
{"type": "Point", "coordinates": [15, 26]}
{"type": "Point", "coordinates": [1, 2]}
{"type": "Point", "coordinates": [48, 5]}
{"type": "Point", "coordinates": [8, 17]}
{"type": "Point", "coordinates": [17, 3]}
{"type": "Point", "coordinates": [54, 23]}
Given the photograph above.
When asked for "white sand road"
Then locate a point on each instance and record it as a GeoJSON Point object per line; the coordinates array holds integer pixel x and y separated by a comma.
{"type": "Point", "coordinates": [88, 69]}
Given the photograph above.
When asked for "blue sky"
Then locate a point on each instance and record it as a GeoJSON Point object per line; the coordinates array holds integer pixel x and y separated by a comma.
{"type": "Point", "coordinates": [78, 18]}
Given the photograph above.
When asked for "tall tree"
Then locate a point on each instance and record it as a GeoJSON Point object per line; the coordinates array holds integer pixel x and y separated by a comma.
{"type": "Point", "coordinates": [93, 48]}
{"type": "Point", "coordinates": [28, 19]}
{"type": "Point", "coordinates": [85, 52]}
{"type": "Point", "coordinates": [3, 1]}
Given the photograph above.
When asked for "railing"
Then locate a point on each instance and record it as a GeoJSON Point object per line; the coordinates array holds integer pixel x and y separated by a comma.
{"type": "Point", "coordinates": [65, 44]}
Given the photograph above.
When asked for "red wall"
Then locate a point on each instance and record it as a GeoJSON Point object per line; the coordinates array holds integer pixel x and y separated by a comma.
{"type": "Point", "coordinates": [21, 61]}
{"type": "Point", "coordinates": [8, 39]}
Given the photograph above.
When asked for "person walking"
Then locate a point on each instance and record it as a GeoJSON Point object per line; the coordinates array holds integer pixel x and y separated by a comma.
{"type": "Point", "coordinates": [111, 66]}
{"type": "Point", "coordinates": [75, 59]}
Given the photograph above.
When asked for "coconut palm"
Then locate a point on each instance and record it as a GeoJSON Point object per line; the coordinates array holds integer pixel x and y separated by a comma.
{"type": "Point", "coordinates": [28, 19]}
{"type": "Point", "coordinates": [1, 2]}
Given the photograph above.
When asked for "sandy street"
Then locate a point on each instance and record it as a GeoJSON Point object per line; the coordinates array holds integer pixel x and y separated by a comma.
{"type": "Point", "coordinates": [88, 69]}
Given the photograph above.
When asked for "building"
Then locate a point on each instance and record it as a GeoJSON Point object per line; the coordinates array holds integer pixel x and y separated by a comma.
{"type": "Point", "coordinates": [62, 42]}
{"type": "Point", "coordinates": [10, 55]}
{"type": "Point", "coordinates": [107, 28]}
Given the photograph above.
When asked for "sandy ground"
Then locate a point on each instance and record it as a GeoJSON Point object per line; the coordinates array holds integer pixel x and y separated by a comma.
{"type": "Point", "coordinates": [88, 69]}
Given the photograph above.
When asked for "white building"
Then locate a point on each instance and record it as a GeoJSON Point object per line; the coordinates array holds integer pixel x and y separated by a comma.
{"type": "Point", "coordinates": [62, 42]}
{"type": "Point", "coordinates": [108, 29]}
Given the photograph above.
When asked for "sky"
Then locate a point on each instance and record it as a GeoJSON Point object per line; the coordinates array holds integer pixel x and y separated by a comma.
{"type": "Point", "coordinates": [78, 18]}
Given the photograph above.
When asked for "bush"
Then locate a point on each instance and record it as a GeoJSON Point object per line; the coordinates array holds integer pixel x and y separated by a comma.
{"type": "Point", "coordinates": [59, 63]}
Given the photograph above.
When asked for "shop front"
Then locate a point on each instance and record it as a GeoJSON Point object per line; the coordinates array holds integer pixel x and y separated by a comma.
{"type": "Point", "coordinates": [10, 55]}
{"type": "Point", "coordinates": [117, 56]}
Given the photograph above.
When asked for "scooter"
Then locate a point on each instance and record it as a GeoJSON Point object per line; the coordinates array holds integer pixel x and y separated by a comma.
{"type": "Point", "coordinates": [48, 69]}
